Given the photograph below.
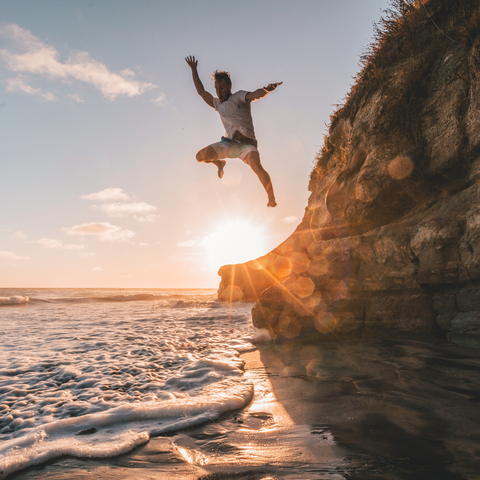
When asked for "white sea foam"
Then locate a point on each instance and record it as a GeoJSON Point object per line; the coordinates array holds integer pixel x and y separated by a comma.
{"type": "Point", "coordinates": [261, 336]}
{"type": "Point", "coordinates": [118, 430]}
{"type": "Point", "coordinates": [97, 379]}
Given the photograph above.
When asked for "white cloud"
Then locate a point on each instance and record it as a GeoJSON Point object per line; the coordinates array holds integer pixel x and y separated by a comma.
{"type": "Point", "coordinates": [194, 242]}
{"type": "Point", "coordinates": [76, 97]}
{"type": "Point", "coordinates": [161, 100]}
{"type": "Point", "coordinates": [104, 231]}
{"type": "Point", "coordinates": [87, 254]}
{"type": "Point", "coordinates": [19, 84]}
{"type": "Point", "coordinates": [107, 195]}
{"type": "Point", "coordinates": [290, 219]}
{"type": "Point", "coordinates": [124, 205]}
{"type": "Point", "coordinates": [127, 73]}
{"type": "Point", "coordinates": [19, 234]}
{"type": "Point", "coordinates": [11, 255]}
{"type": "Point", "coordinates": [97, 269]}
{"type": "Point", "coordinates": [30, 55]}
{"type": "Point", "coordinates": [51, 243]}
{"type": "Point", "coordinates": [141, 211]}
{"type": "Point", "coordinates": [143, 244]}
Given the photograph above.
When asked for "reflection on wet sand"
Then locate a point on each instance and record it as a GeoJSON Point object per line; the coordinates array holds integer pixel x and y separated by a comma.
{"type": "Point", "coordinates": [262, 441]}
{"type": "Point", "coordinates": [377, 409]}
{"type": "Point", "coordinates": [400, 409]}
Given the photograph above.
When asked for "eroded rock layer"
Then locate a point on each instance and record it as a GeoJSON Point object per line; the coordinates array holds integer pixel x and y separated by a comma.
{"type": "Point", "coordinates": [390, 241]}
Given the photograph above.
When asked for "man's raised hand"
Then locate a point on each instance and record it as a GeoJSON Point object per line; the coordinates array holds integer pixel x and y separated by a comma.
{"type": "Point", "coordinates": [272, 86]}
{"type": "Point", "coordinates": [207, 97]}
{"type": "Point", "coordinates": [192, 63]}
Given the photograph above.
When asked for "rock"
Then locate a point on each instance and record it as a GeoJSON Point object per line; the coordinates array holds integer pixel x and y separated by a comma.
{"type": "Point", "coordinates": [389, 245]}
{"type": "Point", "coordinates": [445, 307]}
{"type": "Point", "coordinates": [473, 112]}
{"type": "Point", "coordinates": [248, 280]}
{"type": "Point", "coordinates": [468, 299]}
{"type": "Point", "coordinates": [467, 323]}
{"type": "Point", "coordinates": [442, 120]}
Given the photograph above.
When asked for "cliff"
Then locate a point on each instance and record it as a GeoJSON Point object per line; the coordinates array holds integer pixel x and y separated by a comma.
{"type": "Point", "coordinates": [389, 245]}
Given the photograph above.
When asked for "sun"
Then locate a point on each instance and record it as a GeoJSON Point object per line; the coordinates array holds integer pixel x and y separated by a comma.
{"type": "Point", "coordinates": [234, 242]}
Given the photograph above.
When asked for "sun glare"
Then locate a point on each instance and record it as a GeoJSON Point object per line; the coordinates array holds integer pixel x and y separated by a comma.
{"type": "Point", "coordinates": [234, 242]}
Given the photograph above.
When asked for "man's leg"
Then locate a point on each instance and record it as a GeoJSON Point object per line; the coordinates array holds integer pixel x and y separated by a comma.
{"type": "Point", "coordinates": [209, 155]}
{"type": "Point", "coordinates": [253, 161]}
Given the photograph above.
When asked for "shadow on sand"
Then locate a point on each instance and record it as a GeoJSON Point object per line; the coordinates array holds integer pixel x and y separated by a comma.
{"type": "Point", "coordinates": [401, 409]}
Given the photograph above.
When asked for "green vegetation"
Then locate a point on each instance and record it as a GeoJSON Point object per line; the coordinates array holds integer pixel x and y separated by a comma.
{"type": "Point", "coordinates": [409, 39]}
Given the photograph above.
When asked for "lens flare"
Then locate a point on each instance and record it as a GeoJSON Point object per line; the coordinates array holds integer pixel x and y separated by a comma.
{"type": "Point", "coordinates": [318, 266]}
{"type": "Point", "coordinates": [289, 326]}
{"type": "Point", "coordinates": [316, 301]}
{"type": "Point", "coordinates": [282, 266]}
{"type": "Point", "coordinates": [233, 293]}
{"type": "Point", "coordinates": [304, 287]}
{"type": "Point", "coordinates": [336, 290]}
{"type": "Point", "coordinates": [366, 191]}
{"type": "Point", "coordinates": [300, 263]}
{"type": "Point", "coordinates": [400, 167]}
{"type": "Point", "coordinates": [325, 322]}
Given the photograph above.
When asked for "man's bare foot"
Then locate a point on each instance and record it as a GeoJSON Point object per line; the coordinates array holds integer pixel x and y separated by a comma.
{"type": "Point", "coordinates": [271, 202]}
{"type": "Point", "coordinates": [220, 164]}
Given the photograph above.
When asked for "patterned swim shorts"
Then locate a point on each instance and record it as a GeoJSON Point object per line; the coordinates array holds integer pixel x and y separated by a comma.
{"type": "Point", "coordinates": [227, 148]}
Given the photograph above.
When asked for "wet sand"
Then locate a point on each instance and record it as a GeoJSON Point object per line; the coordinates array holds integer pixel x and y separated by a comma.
{"type": "Point", "coordinates": [401, 409]}
{"type": "Point", "coordinates": [378, 409]}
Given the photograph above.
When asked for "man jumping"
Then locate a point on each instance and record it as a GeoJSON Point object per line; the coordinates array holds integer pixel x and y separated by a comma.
{"type": "Point", "coordinates": [235, 113]}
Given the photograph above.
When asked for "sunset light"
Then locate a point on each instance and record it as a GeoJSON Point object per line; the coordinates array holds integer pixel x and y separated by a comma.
{"type": "Point", "coordinates": [239, 239]}
{"type": "Point", "coordinates": [234, 242]}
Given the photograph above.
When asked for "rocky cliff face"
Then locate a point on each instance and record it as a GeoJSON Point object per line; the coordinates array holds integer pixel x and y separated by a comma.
{"type": "Point", "coordinates": [390, 241]}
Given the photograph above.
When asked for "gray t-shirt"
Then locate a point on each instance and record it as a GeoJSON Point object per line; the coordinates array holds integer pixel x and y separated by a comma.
{"type": "Point", "coordinates": [236, 115]}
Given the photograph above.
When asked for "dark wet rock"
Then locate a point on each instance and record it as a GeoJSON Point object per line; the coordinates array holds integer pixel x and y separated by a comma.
{"type": "Point", "coordinates": [389, 245]}
{"type": "Point", "coordinates": [468, 298]}
{"type": "Point", "coordinates": [467, 322]}
{"type": "Point", "coordinates": [87, 431]}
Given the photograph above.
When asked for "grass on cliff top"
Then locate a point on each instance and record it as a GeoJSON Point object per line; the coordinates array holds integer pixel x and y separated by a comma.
{"type": "Point", "coordinates": [406, 28]}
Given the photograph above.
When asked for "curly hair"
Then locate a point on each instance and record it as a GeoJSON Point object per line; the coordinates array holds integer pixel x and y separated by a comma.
{"type": "Point", "coordinates": [217, 76]}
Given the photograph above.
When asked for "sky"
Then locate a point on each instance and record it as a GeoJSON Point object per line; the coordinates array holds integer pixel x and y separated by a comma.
{"type": "Point", "coordinates": [100, 124]}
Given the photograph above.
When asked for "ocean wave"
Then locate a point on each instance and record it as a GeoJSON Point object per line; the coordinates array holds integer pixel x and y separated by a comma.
{"type": "Point", "coordinates": [197, 303]}
{"type": "Point", "coordinates": [141, 297]}
{"type": "Point", "coordinates": [149, 366]}
{"type": "Point", "coordinates": [157, 297]}
{"type": "Point", "coordinates": [120, 429]}
{"type": "Point", "coordinates": [174, 300]}
{"type": "Point", "coordinates": [14, 300]}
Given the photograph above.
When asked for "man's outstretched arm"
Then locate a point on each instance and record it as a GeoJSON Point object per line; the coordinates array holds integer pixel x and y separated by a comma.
{"type": "Point", "coordinates": [208, 97]}
{"type": "Point", "coordinates": [261, 92]}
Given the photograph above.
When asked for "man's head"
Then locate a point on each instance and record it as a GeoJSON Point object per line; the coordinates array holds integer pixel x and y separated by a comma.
{"type": "Point", "coordinates": [223, 85]}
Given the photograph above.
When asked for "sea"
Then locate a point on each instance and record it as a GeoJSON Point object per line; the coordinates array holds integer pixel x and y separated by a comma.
{"type": "Point", "coordinates": [94, 373]}
{"type": "Point", "coordinates": [143, 384]}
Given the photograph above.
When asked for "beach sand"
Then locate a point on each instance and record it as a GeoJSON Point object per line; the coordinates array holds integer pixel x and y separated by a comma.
{"type": "Point", "coordinates": [376, 409]}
